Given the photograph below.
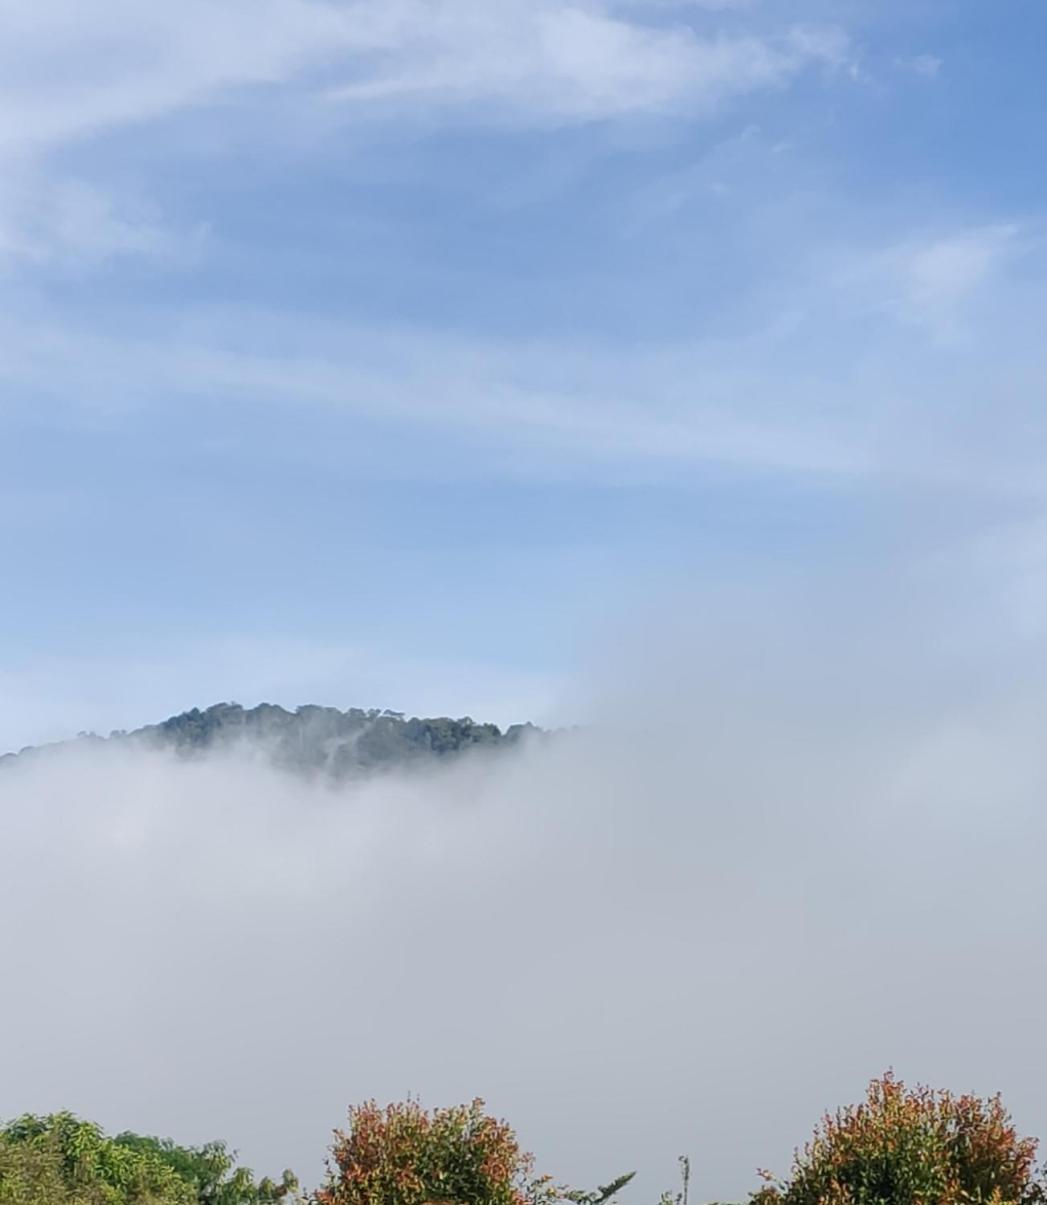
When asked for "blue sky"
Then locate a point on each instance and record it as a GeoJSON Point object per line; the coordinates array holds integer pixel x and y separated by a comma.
{"type": "Point", "coordinates": [387, 352]}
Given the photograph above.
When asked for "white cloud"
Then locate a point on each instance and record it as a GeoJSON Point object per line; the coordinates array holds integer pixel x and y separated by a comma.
{"type": "Point", "coordinates": [826, 44]}
{"type": "Point", "coordinates": [70, 223]}
{"type": "Point", "coordinates": [858, 379]}
{"type": "Point", "coordinates": [674, 405]}
{"type": "Point", "coordinates": [671, 920]}
{"type": "Point", "coordinates": [678, 5]}
{"type": "Point", "coordinates": [930, 280]}
{"type": "Point", "coordinates": [927, 65]}
{"type": "Point", "coordinates": [573, 61]}
{"type": "Point", "coordinates": [944, 271]}
{"type": "Point", "coordinates": [66, 77]}
{"type": "Point", "coordinates": [63, 78]}
{"type": "Point", "coordinates": [851, 369]}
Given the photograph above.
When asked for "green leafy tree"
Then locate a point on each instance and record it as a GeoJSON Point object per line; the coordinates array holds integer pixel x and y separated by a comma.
{"type": "Point", "coordinates": [212, 1172]}
{"type": "Point", "coordinates": [32, 1175]}
{"type": "Point", "coordinates": [61, 1160]}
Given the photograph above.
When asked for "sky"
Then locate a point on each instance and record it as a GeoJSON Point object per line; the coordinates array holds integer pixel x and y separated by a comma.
{"type": "Point", "coordinates": [384, 354]}
{"type": "Point", "coordinates": [671, 368]}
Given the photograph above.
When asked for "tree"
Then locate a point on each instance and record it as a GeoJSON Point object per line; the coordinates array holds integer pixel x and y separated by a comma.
{"type": "Point", "coordinates": [403, 1155]}
{"type": "Point", "coordinates": [61, 1160]}
{"type": "Point", "coordinates": [212, 1172]}
{"type": "Point", "coordinates": [912, 1147]}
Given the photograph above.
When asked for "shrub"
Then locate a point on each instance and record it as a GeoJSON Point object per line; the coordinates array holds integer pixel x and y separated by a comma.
{"type": "Point", "coordinates": [912, 1147]}
{"type": "Point", "coordinates": [403, 1155]}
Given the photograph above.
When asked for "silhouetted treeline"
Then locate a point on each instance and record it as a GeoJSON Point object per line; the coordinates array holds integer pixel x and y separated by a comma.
{"type": "Point", "coordinates": [317, 740]}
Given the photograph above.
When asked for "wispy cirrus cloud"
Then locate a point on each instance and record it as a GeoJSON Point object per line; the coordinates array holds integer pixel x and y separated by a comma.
{"type": "Point", "coordinates": [65, 80]}
{"type": "Point", "coordinates": [65, 77]}
{"type": "Point", "coordinates": [928, 66]}
{"type": "Point", "coordinates": [575, 62]}
{"type": "Point", "coordinates": [891, 401]}
{"type": "Point", "coordinates": [945, 270]}
{"type": "Point", "coordinates": [542, 404]}
{"type": "Point", "coordinates": [72, 224]}
{"type": "Point", "coordinates": [929, 279]}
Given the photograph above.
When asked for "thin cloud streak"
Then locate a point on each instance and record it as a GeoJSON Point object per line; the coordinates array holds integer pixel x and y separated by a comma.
{"type": "Point", "coordinates": [578, 61]}
{"type": "Point", "coordinates": [486, 390]}
{"type": "Point", "coordinates": [529, 63]}
{"type": "Point", "coordinates": [847, 387]}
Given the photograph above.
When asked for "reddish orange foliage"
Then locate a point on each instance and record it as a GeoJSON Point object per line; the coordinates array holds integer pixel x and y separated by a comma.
{"type": "Point", "coordinates": [912, 1147]}
{"type": "Point", "coordinates": [402, 1155]}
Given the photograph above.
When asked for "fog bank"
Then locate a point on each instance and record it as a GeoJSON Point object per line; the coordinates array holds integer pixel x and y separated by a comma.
{"type": "Point", "coordinates": [784, 856]}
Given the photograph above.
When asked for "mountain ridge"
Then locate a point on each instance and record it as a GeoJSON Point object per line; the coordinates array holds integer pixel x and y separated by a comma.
{"type": "Point", "coordinates": [312, 739]}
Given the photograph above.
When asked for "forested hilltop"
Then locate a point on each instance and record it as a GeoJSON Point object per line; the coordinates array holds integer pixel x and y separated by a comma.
{"type": "Point", "coordinates": [311, 739]}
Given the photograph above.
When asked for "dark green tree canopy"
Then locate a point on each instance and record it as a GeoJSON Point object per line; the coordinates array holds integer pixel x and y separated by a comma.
{"type": "Point", "coordinates": [315, 740]}
{"type": "Point", "coordinates": [59, 1159]}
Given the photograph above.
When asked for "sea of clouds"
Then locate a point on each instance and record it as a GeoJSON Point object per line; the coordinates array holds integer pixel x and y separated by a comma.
{"type": "Point", "coordinates": [786, 851]}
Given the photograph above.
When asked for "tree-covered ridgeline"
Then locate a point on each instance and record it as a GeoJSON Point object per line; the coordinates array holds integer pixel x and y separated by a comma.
{"type": "Point", "coordinates": [313, 739]}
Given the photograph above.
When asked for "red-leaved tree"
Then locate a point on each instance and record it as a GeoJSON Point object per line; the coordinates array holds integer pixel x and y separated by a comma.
{"type": "Point", "coordinates": [912, 1147]}
{"type": "Point", "coordinates": [404, 1155]}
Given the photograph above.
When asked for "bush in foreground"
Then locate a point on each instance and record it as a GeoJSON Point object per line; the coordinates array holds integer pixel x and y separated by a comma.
{"type": "Point", "coordinates": [898, 1147]}
{"type": "Point", "coordinates": [61, 1160]}
{"type": "Point", "coordinates": [403, 1155]}
{"type": "Point", "coordinates": [912, 1147]}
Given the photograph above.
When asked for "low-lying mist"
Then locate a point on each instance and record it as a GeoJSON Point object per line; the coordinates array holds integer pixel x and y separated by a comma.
{"type": "Point", "coordinates": [778, 860]}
